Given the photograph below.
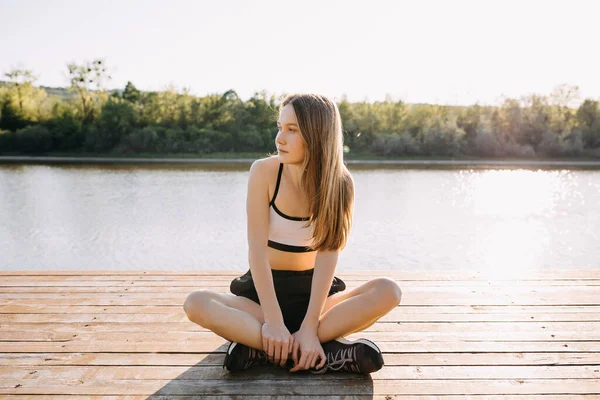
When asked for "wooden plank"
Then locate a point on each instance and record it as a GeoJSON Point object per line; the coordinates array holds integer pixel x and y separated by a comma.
{"type": "Point", "coordinates": [20, 306]}
{"type": "Point", "coordinates": [307, 387]}
{"type": "Point", "coordinates": [456, 309]}
{"type": "Point", "coordinates": [426, 327]}
{"type": "Point", "coordinates": [77, 292]}
{"type": "Point", "coordinates": [392, 317]}
{"type": "Point", "coordinates": [216, 280]}
{"type": "Point", "coordinates": [413, 299]}
{"type": "Point", "coordinates": [352, 282]}
{"type": "Point", "coordinates": [417, 280]}
{"type": "Point", "coordinates": [297, 397]}
{"type": "Point", "coordinates": [557, 291]}
{"type": "Point", "coordinates": [190, 337]}
{"type": "Point", "coordinates": [401, 312]}
{"type": "Point", "coordinates": [489, 317]}
{"type": "Point", "coordinates": [219, 344]}
{"type": "Point", "coordinates": [191, 283]}
{"type": "Point", "coordinates": [216, 359]}
{"type": "Point", "coordinates": [408, 299]}
{"type": "Point", "coordinates": [16, 292]}
{"type": "Point", "coordinates": [477, 296]}
{"type": "Point", "coordinates": [163, 291]}
{"type": "Point", "coordinates": [153, 318]}
{"type": "Point", "coordinates": [274, 373]}
{"type": "Point", "coordinates": [403, 274]}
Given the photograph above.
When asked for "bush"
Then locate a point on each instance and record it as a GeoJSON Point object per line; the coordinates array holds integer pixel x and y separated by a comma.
{"type": "Point", "coordinates": [65, 128]}
{"type": "Point", "coordinates": [510, 148]}
{"type": "Point", "coordinates": [33, 139]}
{"type": "Point", "coordinates": [93, 140]}
{"type": "Point", "coordinates": [7, 141]}
{"type": "Point", "coordinates": [11, 119]}
{"type": "Point", "coordinates": [442, 136]}
{"type": "Point", "coordinates": [251, 139]}
{"type": "Point", "coordinates": [211, 141]}
{"type": "Point", "coordinates": [395, 145]}
{"type": "Point", "coordinates": [486, 142]}
{"type": "Point", "coordinates": [553, 145]}
{"type": "Point", "coordinates": [117, 119]}
{"type": "Point", "coordinates": [139, 141]}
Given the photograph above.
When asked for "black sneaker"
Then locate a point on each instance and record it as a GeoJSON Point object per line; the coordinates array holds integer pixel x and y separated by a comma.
{"type": "Point", "coordinates": [240, 357]}
{"type": "Point", "coordinates": [361, 356]}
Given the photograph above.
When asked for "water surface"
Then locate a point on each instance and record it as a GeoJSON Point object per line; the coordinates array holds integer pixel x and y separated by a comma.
{"type": "Point", "coordinates": [193, 218]}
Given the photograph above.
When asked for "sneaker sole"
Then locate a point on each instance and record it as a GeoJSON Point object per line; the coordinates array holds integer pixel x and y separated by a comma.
{"type": "Point", "coordinates": [366, 342]}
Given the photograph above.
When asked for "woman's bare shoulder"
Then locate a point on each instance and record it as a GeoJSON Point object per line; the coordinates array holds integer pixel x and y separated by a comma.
{"type": "Point", "coordinates": [265, 166]}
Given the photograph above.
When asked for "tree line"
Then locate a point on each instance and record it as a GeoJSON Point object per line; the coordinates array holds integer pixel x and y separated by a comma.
{"type": "Point", "coordinates": [88, 118]}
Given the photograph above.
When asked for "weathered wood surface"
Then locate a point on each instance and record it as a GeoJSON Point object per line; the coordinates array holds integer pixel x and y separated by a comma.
{"type": "Point", "coordinates": [108, 335]}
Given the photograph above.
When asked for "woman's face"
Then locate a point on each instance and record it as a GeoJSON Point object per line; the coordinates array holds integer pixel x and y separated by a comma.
{"type": "Point", "coordinates": [289, 141]}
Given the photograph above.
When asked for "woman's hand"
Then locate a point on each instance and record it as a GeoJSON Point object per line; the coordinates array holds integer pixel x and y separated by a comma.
{"type": "Point", "coordinates": [310, 349]}
{"type": "Point", "coordinates": [277, 342]}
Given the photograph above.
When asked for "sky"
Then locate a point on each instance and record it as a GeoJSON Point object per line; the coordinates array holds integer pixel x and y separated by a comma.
{"type": "Point", "coordinates": [446, 52]}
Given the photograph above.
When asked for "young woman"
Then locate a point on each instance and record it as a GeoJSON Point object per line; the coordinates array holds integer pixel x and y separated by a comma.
{"type": "Point", "coordinates": [289, 308]}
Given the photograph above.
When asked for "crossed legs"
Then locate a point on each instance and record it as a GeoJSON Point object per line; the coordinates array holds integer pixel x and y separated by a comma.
{"type": "Point", "coordinates": [240, 320]}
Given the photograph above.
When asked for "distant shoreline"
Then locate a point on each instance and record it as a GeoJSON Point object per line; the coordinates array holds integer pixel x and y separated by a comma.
{"type": "Point", "coordinates": [174, 160]}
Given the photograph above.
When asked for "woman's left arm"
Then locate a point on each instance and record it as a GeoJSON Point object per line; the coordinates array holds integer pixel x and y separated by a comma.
{"type": "Point", "coordinates": [306, 339]}
{"type": "Point", "coordinates": [321, 283]}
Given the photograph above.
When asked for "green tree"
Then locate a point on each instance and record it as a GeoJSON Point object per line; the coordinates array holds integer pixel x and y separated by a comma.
{"type": "Point", "coordinates": [442, 136]}
{"type": "Point", "coordinates": [34, 139]}
{"type": "Point", "coordinates": [88, 81]}
{"type": "Point", "coordinates": [131, 94]}
{"type": "Point", "coordinates": [11, 119]}
{"type": "Point", "coordinates": [588, 122]}
{"type": "Point", "coordinates": [65, 127]}
{"type": "Point", "coordinates": [22, 80]}
{"type": "Point", "coordinates": [116, 120]}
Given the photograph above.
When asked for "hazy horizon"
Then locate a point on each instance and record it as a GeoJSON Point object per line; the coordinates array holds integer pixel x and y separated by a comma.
{"type": "Point", "coordinates": [458, 53]}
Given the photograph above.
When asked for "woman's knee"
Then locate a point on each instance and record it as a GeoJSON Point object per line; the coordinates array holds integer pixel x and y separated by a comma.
{"type": "Point", "coordinates": [388, 291]}
{"type": "Point", "coordinates": [196, 305]}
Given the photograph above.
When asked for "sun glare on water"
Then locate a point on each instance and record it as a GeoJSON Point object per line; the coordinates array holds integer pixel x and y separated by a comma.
{"type": "Point", "coordinates": [515, 200]}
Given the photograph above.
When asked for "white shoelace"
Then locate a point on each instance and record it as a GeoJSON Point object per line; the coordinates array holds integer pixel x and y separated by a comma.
{"type": "Point", "coordinates": [337, 361]}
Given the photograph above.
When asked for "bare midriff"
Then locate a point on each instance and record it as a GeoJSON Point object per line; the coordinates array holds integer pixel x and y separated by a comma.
{"type": "Point", "coordinates": [283, 260]}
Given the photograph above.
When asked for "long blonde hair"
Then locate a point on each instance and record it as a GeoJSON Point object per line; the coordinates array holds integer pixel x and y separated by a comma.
{"type": "Point", "coordinates": [326, 181]}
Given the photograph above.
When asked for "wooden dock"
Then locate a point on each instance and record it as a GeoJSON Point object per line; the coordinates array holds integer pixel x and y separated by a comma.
{"type": "Point", "coordinates": [108, 335]}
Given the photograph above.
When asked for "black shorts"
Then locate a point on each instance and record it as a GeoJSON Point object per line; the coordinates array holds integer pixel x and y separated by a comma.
{"type": "Point", "coordinates": [292, 289]}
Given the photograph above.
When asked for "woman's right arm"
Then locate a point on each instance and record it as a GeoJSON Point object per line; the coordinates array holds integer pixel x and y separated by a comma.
{"type": "Point", "coordinates": [277, 340]}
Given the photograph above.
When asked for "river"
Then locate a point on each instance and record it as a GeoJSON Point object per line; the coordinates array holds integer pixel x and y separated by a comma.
{"type": "Point", "coordinates": [192, 217]}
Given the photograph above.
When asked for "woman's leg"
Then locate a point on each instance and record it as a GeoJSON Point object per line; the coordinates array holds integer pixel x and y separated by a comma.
{"type": "Point", "coordinates": [234, 318]}
{"type": "Point", "coordinates": [348, 312]}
